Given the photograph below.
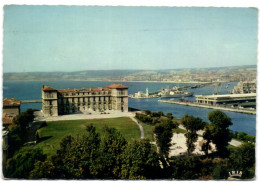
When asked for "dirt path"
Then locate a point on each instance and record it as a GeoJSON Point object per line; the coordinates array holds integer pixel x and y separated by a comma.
{"type": "Point", "coordinates": [140, 127]}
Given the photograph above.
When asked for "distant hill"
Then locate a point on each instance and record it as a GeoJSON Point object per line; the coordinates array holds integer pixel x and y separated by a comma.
{"type": "Point", "coordinates": [77, 75]}
{"type": "Point", "coordinates": [107, 75]}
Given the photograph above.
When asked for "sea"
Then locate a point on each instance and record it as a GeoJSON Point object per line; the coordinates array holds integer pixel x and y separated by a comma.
{"type": "Point", "coordinates": [29, 90]}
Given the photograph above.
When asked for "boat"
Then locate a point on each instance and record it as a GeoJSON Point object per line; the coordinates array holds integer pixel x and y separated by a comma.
{"type": "Point", "coordinates": [175, 94]}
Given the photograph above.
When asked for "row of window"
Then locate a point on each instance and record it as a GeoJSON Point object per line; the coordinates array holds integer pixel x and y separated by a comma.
{"type": "Point", "coordinates": [66, 100]}
{"type": "Point", "coordinates": [86, 93]}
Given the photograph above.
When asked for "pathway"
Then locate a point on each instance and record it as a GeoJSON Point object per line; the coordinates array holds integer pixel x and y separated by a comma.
{"type": "Point", "coordinates": [140, 127]}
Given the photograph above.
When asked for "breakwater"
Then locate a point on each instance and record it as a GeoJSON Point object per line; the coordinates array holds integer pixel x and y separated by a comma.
{"type": "Point", "coordinates": [32, 101]}
{"type": "Point", "coordinates": [193, 104]}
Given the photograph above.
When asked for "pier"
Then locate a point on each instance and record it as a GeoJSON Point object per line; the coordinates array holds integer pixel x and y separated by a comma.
{"type": "Point", "coordinates": [31, 101]}
{"type": "Point", "coordinates": [193, 104]}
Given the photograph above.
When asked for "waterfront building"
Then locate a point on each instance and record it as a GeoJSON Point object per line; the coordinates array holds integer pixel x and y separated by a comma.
{"type": "Point", "coordinates": [245, 87]}
{"type": "Point", "coordinates": [11, 108]}
{"type": "Point", "coordinates": [230, 99]}
{"type": "Point", "coordinates": [66, 101]}
{"type": "Point", "coordinates": [140, 94]}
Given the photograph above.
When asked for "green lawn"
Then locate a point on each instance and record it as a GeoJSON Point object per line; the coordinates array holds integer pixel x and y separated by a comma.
{"type": "Point", "coordinates": [148, 131]}
{"type": "Point", "coordinates": [178, 130]}
{"type": "Point", "coordinates": [177, 120]}
{"type": "Point", "coordinates": [56, 130]}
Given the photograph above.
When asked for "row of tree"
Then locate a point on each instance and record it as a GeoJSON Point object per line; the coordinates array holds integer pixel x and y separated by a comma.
{"type": "Point", "coordinates": [109, 156]}
{"type": "Point", "coordinates": [216, 132]}
{"type": "Point", "coordinates": [153, 118]}
{"type": "Point", "coordinates": [243, 137]}
{"type": "Point", "coordinates": [91, 156]}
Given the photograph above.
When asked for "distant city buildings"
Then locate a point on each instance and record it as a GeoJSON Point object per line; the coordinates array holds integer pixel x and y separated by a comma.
{"type": "Point", "coordinates": [65, 101]}
{"type": "Point", "coordinates": [245, 87]}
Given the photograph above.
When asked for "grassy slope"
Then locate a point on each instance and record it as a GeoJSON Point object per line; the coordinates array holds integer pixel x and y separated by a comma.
{"type": "Point", "coordinates": [56, 130]}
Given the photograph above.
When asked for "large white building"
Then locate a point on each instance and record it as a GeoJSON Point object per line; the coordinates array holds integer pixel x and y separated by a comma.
{"type": "Point", "coordinates": [65, 101]}
{"type": "Point", "coordinates": [225, 99]}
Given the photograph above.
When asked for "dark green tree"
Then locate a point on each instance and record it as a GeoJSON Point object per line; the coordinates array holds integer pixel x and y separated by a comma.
{"type": "Point", "coordinates": [192, 125]}
{"type": "Point", "coordinates": [147, 112]}
{"type": "Point", "coordinates": [77, 157]}
{"type": "Point", "coordinates": [163, 135]}
{"type": "Point", "coordinates": [186, 168]}
{"type": "Point", "coordinates": [243, 159]}
{"type": "Point", "coordinates": [140, 161]}
{"type": "Point", "coordinates": [221, 134]}
{"type": "Point", "coordinates": [112, 146]}
{"type": "Point", "coordinates": [20, 165]}
{"type": "Point", "coordinates": [221, 167]}
{"type": "Point", "coordinates": [169, 115]}
{"type": "Point", "coordinates": [207, 136]}
{"type": "Point", "coordinates": [44, 169]}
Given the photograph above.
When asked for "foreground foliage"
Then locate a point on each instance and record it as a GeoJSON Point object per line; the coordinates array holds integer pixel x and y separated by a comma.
{"type": "Point", "coordinates": [106, 154]}
{"type": "Point", "coordinates": [95, 156]}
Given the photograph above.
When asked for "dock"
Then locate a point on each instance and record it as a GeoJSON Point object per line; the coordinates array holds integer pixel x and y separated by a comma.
{"type": "Point", "coordinates": [31, 101]}
{"type": "Point", "coordinates": [193, 104]}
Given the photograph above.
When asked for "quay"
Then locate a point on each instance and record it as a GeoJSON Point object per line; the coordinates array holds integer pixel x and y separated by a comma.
{"type": "Point", "coordinates": [193, 104]}
{"type": "Point", "coordinates": [31, 101]}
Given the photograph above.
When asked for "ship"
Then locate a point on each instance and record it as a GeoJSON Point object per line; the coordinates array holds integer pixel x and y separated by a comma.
{"type": "Point", "coordinates": [175, 94]}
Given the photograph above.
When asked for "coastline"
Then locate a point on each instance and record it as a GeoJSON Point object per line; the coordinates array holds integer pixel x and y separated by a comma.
{"type": "Point", "coordinates": [209, 107]}
{"type": "Point", "coordinates": [118, 81]}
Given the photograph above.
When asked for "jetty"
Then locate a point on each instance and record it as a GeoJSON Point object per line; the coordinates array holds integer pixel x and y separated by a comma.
{"type": "Point", "coordinates": [31, 101]}
{"type": "Point", "coordinates": [194, 104]}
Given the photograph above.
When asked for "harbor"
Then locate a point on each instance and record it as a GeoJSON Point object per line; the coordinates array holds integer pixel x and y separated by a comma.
{"type": "Point", "coordinates": [194, 104]}
{"type": "Point", "coordinates": [29, 90]}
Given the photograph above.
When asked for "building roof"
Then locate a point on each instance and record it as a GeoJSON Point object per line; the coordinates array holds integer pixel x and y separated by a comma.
{"type": "Point", "coordinates": [228, 95]}
{"type": "Point", "coordinates": [117, 86]}
{"type": "Point", "coordinates": [48, 88]}
{"type": "Point", "coordinates": [82, 90]}
{"type": "Point", "coordinates": [112, 86]}
{"type": "Point", "coordinates": [11, 102]}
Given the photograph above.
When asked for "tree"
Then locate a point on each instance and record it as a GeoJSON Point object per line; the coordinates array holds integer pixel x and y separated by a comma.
{"type": "Point", "coordinates": [20, 165]}
{"type": "Point", "coordinates": [147, 112]}
{"type": "Point", "coordinates": [186, 168]}
{"type": "Point", "coordinates": [163, 132]}
{"type": "Point", "coordinates": [90, 156]}
{"type": "Point", "coordinates": [243, 159]}
{"type": "Point", "coordinates": [77, 157]}
{"type": "Point", "coordinates": [140, 161]}
{"type": "Point", "coordinates": [207, 136]}
{"type": "Point", "coordinates": [44, 169]}
{"type": "Point", "coordinates": [169, 115]}
{"type": "Point", "coordinates": [192, 125]}
{"type": "Point", "coordinates": [221, 135]}
{"type": "Point", "coordinates": [221, 168]}
{"type": "Point", "coordinates": [112, 146]}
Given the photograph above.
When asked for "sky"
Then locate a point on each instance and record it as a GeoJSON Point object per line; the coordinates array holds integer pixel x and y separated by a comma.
{"type": "Point", "coordinates": [74, 38]}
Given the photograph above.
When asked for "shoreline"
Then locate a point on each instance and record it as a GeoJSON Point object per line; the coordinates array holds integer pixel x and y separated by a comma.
{"type": "Point", "coordinates": [118, 81]}
{"type": "Point", "coordinates": [209, 107]}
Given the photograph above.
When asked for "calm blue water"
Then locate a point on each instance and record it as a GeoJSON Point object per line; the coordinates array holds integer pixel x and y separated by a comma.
{"type": "Point", "coordinates": [25, 90]}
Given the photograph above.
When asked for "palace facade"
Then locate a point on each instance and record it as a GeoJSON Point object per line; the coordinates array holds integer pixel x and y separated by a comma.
{"type": "Point", "coordinates": [66, 101]}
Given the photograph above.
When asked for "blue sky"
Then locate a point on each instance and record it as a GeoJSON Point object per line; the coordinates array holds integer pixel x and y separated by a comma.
{"type": "Point", "coordinates": [72, 38]}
